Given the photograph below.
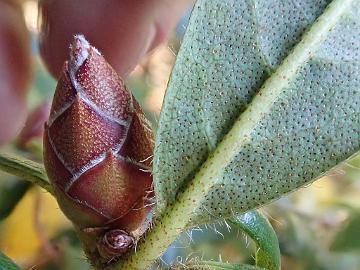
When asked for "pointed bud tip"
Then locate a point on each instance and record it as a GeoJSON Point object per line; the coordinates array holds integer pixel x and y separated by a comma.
{"type": "Point", "coordinates": [79, 50]}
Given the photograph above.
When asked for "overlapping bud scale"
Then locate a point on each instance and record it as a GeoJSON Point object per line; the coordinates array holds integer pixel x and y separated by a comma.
{"type": "Point", "coordinates": [98, 146]}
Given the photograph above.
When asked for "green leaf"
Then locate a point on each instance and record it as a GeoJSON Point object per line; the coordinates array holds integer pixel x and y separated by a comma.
{"type": "Point", "coordinates": [210, 265]}
{"type": "Point", "coordinates": [348, 238]}
{"type": "Point", "coordinates": [25, 169]}
{"type": "Point", "coordinates": [254, 109]}
{"type": "Point", "coordinates": [280, 124]}
{"type": "Point", "coordinates": [7, 264]}
{"type": "Point", "coordinates": [260, 230]}
{"type": "Point", "coordinates": [11, 192]}
{"type": "Point", "coordinates": [256, 226]}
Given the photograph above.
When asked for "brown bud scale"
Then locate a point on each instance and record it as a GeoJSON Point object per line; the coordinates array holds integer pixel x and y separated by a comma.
{"type": "Point", "coordinates": [98, 148]}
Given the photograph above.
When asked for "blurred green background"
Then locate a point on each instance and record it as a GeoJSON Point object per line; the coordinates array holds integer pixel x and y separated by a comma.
{"type": "Point", "coordinates": [318, 226]}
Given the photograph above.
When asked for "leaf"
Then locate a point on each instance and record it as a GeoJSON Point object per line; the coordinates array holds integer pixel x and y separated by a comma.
{"type": "Point", "coordinates": [259, 229]}
{"type": "Point", "coordinates": [348, 238]}
{"type": "Point", "coordinates": [245, 119]}
{"type": "Point", "coordinates": [210, 265]}
{"type": "Point", "coordinates": [11, 193]}
{"type": "Point", "coordinates": [25, 169]}
{"type": "Point", "coordinates": [7, 264]}
{"type": "Point", "coordinates": [256, 226]}
{"type": "Point", "coordinates": [290, 130]}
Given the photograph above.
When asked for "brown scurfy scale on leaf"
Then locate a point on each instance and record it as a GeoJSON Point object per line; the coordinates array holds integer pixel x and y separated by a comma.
{"type": "Point", "coordinates": [97, 145]}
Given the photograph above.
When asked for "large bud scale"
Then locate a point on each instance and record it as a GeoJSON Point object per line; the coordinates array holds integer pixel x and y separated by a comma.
{"type": "Point", "coordinates": [97, 151]}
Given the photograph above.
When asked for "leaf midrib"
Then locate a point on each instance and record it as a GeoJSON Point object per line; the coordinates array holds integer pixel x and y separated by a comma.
{"type": "Point", "coordinates": [240, 133]}
{"type": "Point", "coordinates": [176, 216]}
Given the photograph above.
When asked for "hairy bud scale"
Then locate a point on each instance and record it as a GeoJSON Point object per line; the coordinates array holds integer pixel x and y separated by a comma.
{"type": "Point", "coordinates": [97, 150]}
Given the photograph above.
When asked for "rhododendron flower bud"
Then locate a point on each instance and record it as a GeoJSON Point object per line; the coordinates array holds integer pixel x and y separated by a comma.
{"type": "Point", "coordinates": [97, 153]}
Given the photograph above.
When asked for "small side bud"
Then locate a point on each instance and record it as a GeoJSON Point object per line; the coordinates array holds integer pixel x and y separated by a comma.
{"type": "Point", "coordinates": [115, 243]}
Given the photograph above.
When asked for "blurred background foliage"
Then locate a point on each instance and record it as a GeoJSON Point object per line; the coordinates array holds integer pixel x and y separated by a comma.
{"type": "Point", "coordinates": [318, 226]}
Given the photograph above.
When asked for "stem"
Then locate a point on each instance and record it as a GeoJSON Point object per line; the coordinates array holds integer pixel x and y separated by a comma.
{"type": "Point", "coordinates": [26, 169]}
{"type": "Point", "coordinates": [204, 265]}
{"type": "Point", "coordinates": [177, 216]}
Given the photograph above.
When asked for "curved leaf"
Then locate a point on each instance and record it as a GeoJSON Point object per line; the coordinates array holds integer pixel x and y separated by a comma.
{"type": "Point", "coordinates": [289, 130]}
{"type": "Point", "coordinates": [26, 169]}
{"type": "Point", "coordinates": [302, 122]}
{"type": "Point", "coordinates": [256, 226]}
{"type": "Point", "coordinates": [6, 263]}
{"type": "Point", "coordinates": [260, 230]}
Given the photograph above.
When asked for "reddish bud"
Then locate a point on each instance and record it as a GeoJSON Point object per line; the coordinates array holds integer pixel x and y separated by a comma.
{"type": "Point", "coordinates": [97, 152]}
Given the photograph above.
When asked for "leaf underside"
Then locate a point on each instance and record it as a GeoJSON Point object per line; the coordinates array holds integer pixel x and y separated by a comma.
{"type": "Point", "coordinates": [230, 49]}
